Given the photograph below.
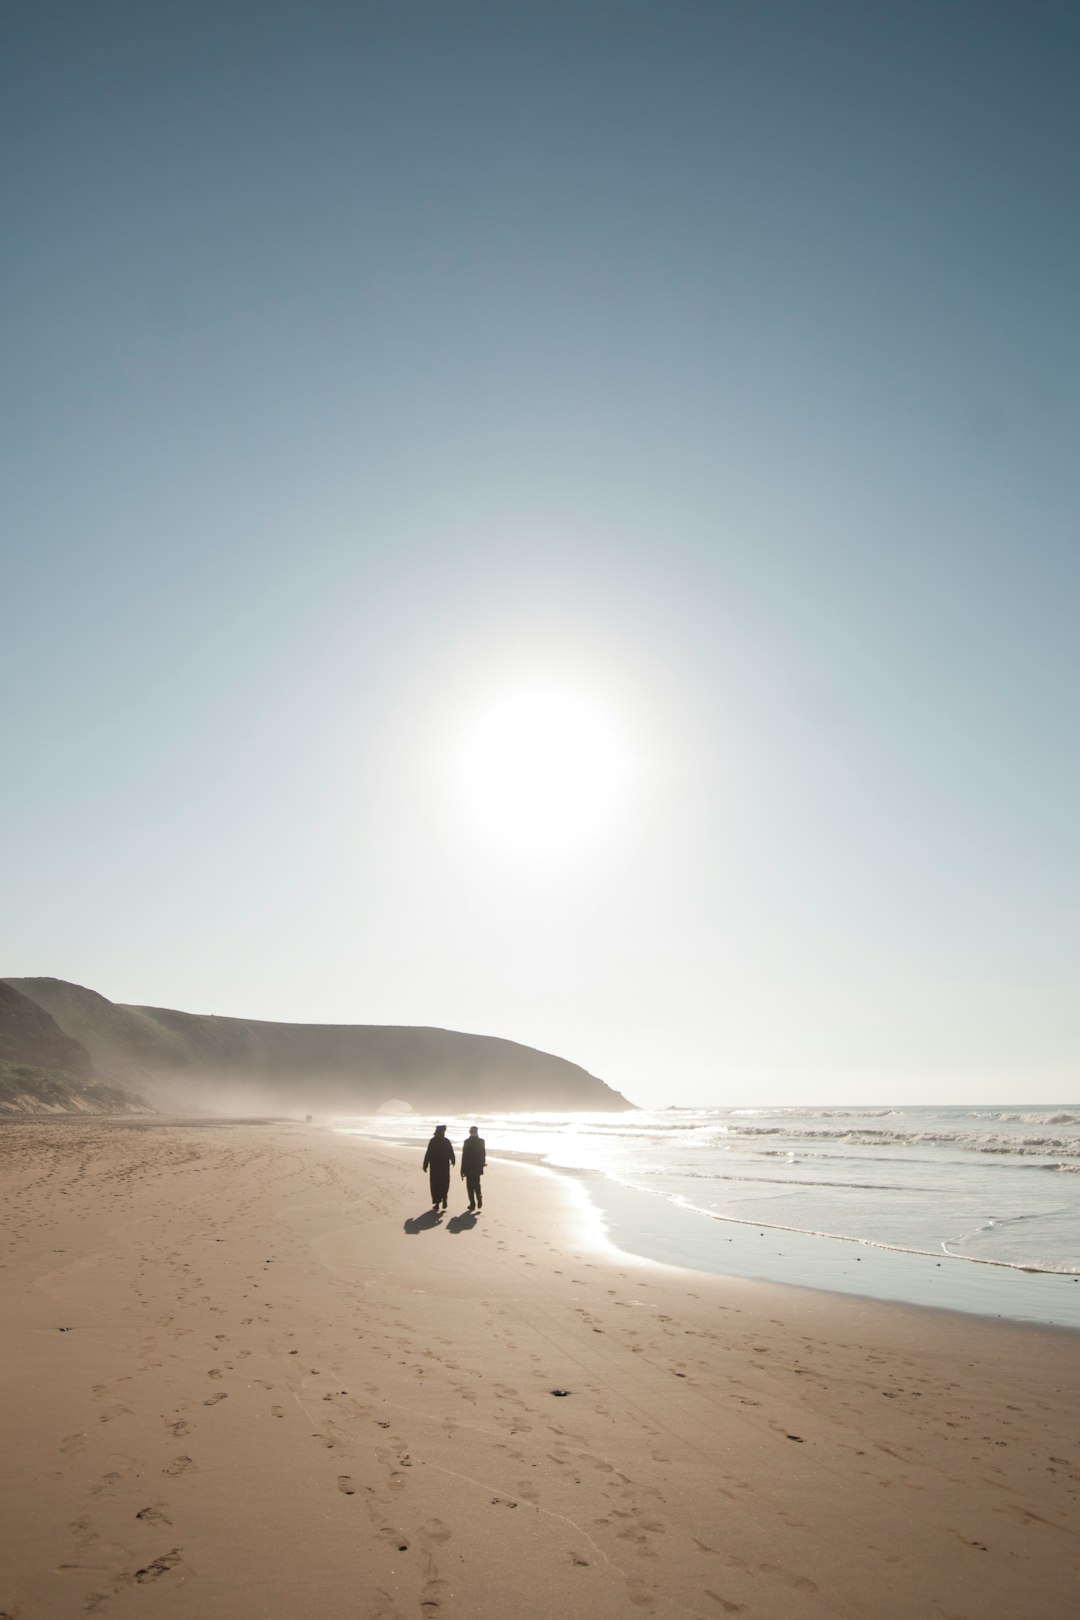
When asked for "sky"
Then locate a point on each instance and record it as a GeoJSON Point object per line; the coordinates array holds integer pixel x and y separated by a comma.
{"type": "Point", "coordinates": [553, 520]}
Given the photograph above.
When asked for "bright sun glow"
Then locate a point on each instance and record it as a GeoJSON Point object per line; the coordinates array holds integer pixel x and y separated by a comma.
{"type": "Point", "coordinates": [543, 767]}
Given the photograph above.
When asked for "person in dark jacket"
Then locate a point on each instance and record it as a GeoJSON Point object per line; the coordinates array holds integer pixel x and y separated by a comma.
{"type": "Point", "coordinates": [437, 1161]}
{"type": "Point", "coordinates": [473, 1159]}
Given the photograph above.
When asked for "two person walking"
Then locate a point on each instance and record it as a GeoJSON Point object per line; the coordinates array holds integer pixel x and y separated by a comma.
{"type": "Point", "coordinates": [440, 1156]}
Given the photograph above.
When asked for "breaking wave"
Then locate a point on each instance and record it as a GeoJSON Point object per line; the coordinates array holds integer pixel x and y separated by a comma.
{"type": "Point", "coordinates": [965, 1141]}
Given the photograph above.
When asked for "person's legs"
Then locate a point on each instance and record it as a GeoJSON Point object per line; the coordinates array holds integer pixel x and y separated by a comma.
{"type": "Point", "coordinates": [440, 1185]}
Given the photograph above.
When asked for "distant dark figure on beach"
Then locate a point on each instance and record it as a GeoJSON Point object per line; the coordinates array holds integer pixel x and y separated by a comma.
{"type": "Point", "coordinates": [473, 1160]}
{"type": "Point", "coordinates": [437, 1161]}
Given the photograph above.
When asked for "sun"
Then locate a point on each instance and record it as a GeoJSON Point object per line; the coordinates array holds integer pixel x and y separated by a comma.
{"type": "Point", "coordinates": [542, 767]}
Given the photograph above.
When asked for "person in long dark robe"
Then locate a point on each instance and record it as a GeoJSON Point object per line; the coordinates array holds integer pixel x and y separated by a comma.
{"type": "Point", "coordinates": [437, 1161]}
{"type": "Point", "coordinates": [473, 1159]}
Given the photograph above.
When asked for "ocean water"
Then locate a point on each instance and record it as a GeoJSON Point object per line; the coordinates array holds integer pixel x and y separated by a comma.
{"type": "Point", "coordinates": [976, 1208]}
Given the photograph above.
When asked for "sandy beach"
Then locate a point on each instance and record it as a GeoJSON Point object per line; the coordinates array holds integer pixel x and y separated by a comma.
{"type": "Point", "coordinates": [245, 1377]}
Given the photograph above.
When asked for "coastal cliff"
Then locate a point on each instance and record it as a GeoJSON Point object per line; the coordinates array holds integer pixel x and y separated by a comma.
{"type": "Point", "coordinates": [43, 1070]}
{"type": "Point", "coordinates": [180, 1060]}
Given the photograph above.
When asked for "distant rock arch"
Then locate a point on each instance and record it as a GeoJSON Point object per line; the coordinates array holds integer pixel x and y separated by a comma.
{"type": "Point", "coordinates": [395, 1106]}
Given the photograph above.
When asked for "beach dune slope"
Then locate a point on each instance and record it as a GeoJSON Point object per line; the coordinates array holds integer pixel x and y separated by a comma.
{"type": "Point", "coordinates": [249, 1374]}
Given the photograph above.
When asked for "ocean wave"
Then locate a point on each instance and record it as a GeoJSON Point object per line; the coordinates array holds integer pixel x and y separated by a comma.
{"type": "Point", "coordinates": [966, 1141]}
{"type": "Point", "coordinates": [998, 1230]}
{"type": "Point", "coordinates": [1061, 1268]}
{"type": "Point", "coordinates": [1035, 1119]}
{"type": "Point", "coordinates": [818, 1113]}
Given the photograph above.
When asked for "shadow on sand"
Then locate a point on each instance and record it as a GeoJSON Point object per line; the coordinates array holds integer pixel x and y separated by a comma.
{"type": "Point", "coordinates": [461, 1223]}
{"type": "Point", "coordinates": [424, 1222]}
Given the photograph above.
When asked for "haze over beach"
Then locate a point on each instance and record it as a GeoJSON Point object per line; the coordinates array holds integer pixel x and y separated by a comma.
{"type": "Point", "coordinates": [540, 588]}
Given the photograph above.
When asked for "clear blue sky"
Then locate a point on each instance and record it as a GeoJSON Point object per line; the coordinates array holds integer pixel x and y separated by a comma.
{"type": "Point", "coordinates": [719, 362]}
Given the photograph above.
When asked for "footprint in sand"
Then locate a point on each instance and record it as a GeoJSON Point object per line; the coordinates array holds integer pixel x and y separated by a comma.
{"type": "Point", "coordinates": [83, 1532]}
{"type": "Point", "coordinates": [345, 1485]}
{"type": "Point", "coordinates": [119, 1410]}
{"type": "Point", "coordinates": [800, 1583]}
{"type": "Point", "coordinates": [152, 1515]}
{"type": "Point", "coordinates": [212, 1400]}
{"type": "Point", "coordinates": [179, 1466]}
{"type": "Point", "coordinates": [725, 1604]}
{"type": "Point", "coordinates": [159, 1566]}
{"type": "Point", "coordinates": [433, 1595]}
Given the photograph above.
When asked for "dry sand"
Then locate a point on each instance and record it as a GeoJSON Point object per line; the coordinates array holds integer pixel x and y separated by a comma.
{"type": "Point", "coordinates": [236, 1385]}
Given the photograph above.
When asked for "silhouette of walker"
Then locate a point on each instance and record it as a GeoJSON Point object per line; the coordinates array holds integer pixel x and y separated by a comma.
{"type": "Point", "coordinates": [437, 1161]}
{"type": "Point", "coordinates": [473, 1160]}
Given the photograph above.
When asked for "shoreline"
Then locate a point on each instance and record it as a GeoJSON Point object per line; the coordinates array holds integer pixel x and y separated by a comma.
{"type": "Point", "coordinates": [728, 1246]}
{"type": "Point", "coordinates": [249, 1377]}
{"type": "Point", "coordinates": [649, 1226]}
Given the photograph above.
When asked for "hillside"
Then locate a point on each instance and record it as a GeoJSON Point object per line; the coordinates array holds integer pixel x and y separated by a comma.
{"type": "Point", "coordinates": [43, 1070]}
{"type": "Point", "coordinates": [236, 1065]}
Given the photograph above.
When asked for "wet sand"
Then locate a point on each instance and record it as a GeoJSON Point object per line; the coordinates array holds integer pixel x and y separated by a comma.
{"type": "Point", "coordinates": [244, 1376]}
